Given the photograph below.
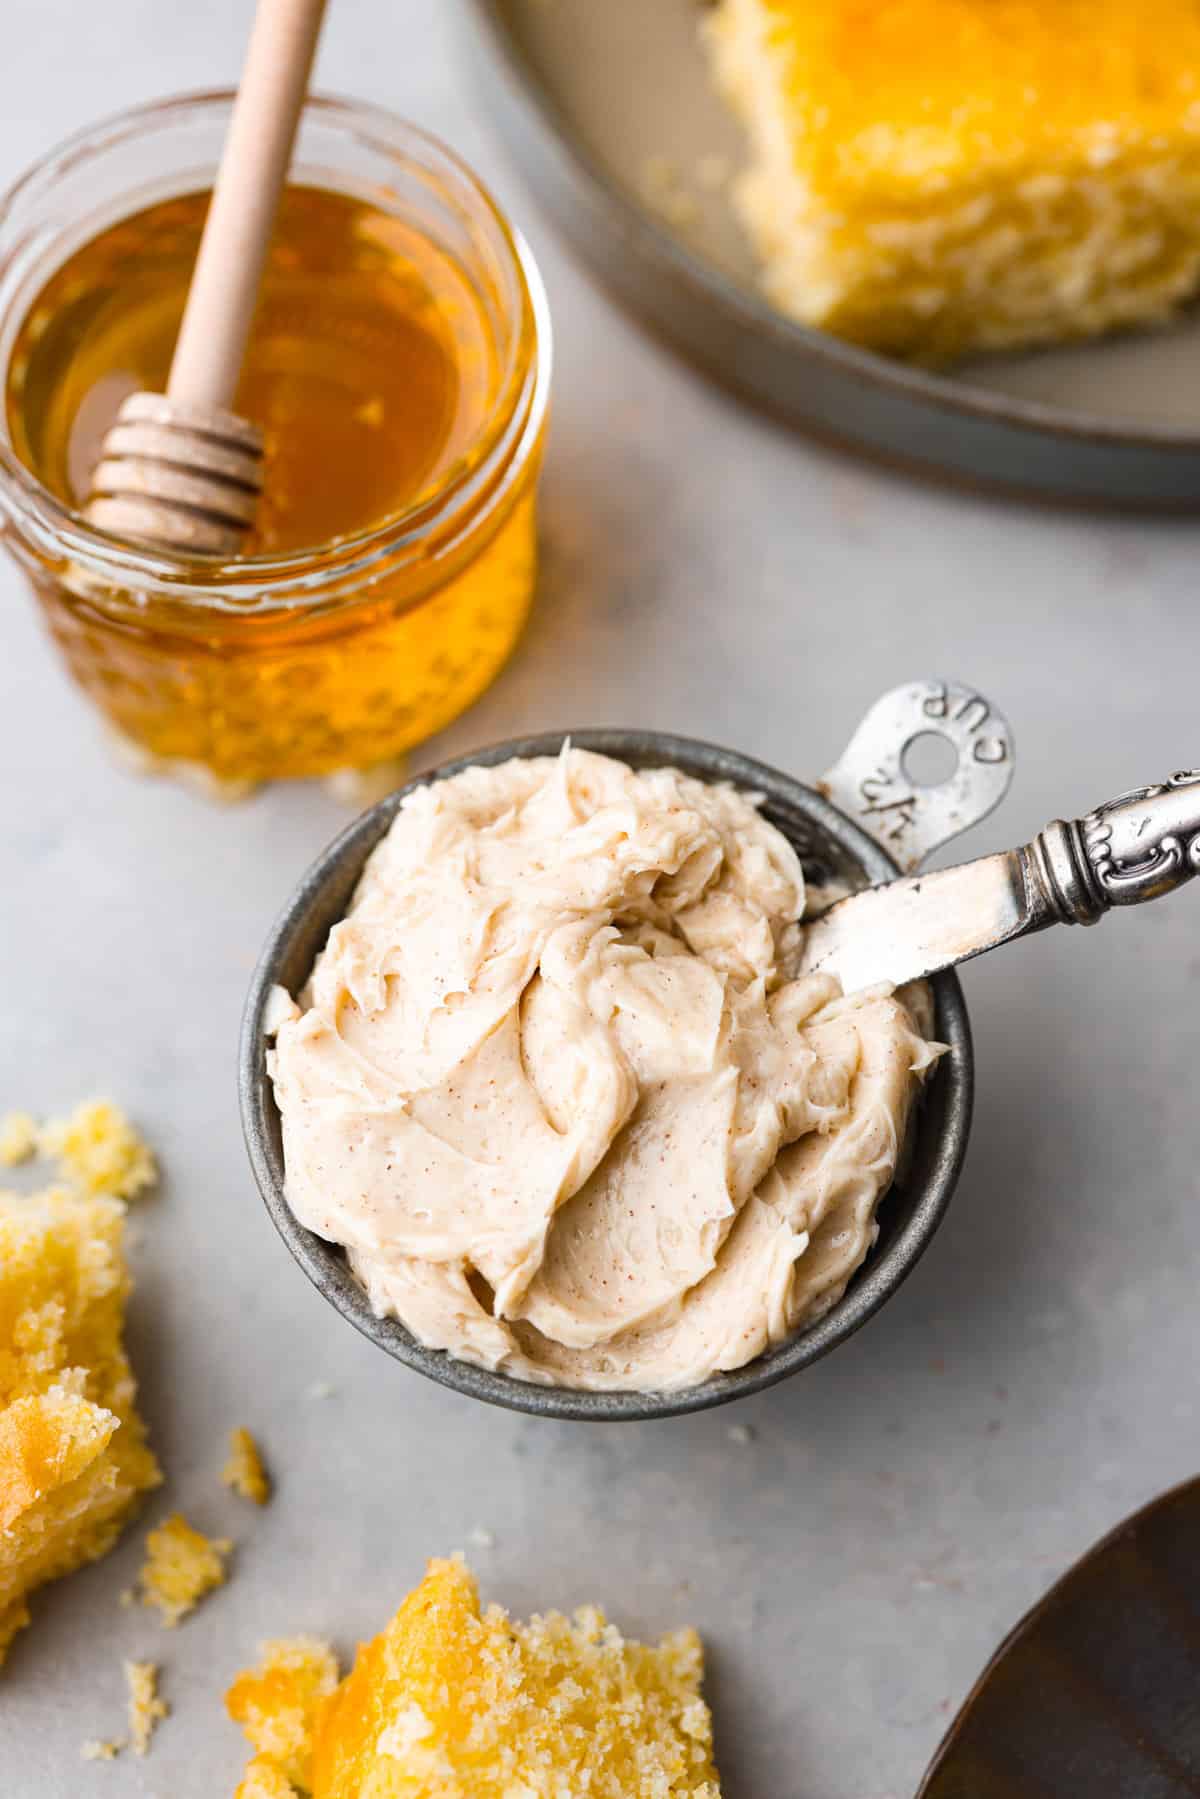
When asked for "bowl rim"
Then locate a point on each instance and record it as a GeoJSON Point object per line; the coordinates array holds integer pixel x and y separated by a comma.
{"type": "Point", "coordinates": [339, 867]}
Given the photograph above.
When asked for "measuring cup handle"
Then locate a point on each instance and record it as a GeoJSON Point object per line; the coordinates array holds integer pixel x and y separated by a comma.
{"type": "Point", "coordinates": [909, 819]}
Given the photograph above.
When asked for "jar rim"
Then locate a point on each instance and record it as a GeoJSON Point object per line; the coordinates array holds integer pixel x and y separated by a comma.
{"type": "Point", "coordinates": [256, 583]}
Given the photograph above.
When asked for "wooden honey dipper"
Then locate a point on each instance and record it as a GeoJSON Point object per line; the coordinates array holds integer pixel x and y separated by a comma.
{"type": "Point", "coordinates": [180, 471]}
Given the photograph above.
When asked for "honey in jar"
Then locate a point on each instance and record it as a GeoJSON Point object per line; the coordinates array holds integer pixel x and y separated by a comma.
{"type": "Point", "coordinates": [398, 370]}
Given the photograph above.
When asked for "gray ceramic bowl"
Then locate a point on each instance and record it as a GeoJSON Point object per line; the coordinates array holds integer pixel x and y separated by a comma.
{"type": "Point", "coordinates": [829, 845]}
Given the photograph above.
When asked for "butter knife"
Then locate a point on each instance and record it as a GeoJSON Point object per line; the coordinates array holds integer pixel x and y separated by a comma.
{"type": "Point", "coordinates": [1135, 848]}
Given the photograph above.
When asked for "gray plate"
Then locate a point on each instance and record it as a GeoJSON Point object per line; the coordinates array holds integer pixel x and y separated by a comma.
{"type": "Point", "coordinates": [589, 92]}
{"type": "Point", "coordinates": [1096, 1690]}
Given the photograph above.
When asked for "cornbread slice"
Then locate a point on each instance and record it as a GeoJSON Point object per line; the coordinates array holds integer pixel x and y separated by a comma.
{"type": "Point", "coordinates": [182, 1565]}
{"type": "Point", "coordinates": [449, 1703]}
{"type": "Point", "coordinates": [935, 176]}
{"type": "Point", "coordinates": [73, 1453]}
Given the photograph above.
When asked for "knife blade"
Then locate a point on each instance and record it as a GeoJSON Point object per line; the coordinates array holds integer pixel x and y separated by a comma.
{"type": "Point", "coordinates": [914, 927]}
{"type": "Point", "coordinates": [1138, 847]}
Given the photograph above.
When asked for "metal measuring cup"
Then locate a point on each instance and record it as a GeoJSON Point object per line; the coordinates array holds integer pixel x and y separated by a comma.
{"type": "Point", "coordinates": [864, 822]}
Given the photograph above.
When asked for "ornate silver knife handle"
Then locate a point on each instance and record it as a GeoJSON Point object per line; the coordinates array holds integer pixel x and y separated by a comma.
{"type": "Point", "coordinates": [1137, 847]}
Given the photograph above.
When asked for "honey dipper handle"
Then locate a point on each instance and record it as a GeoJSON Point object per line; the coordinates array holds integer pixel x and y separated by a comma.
{"type": "Point", "coordinates": [254, 165]}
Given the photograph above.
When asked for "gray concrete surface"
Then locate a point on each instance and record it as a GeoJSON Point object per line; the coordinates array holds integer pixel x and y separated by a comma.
{"type": "Point", "coordinates": [898, 1506]}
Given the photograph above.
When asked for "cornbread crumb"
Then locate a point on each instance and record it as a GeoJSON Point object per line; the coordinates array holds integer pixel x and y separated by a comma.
{"type": "Point", "coordinates": [73, 1454]}
{"type": "Point", "coordinates": [741, 1433]}
{"type": "Point", "coordinates": [451, 1701]}
{"type": "Point", "coordinates": [99, 1151]}
{"type": "Point", "coordinates": [322, 1389]}
{"type": "Point", "coordinates": [931, 177]}
{"type": "Point", "coordinates": [713, 171]}
{"type": "Point", "coordinates": [99, 1749]}
{"type": "Point", "coordinates": [244, 1470]}
{"type": "Point", "coordinates": [181, 1566]}
{"type": "Point", "coordinates": [483, 1539]}
{"type": "Point", "coordinates": [664, 190]}
{"type": "Point", "coordinates": [18, 1138]}
{"type": "Point", "coordinates": [146, 1709]}
{"type": "Point", "coordinates": [276, 1705]}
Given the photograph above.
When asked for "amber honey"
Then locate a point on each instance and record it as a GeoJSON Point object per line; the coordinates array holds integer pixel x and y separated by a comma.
{"type": "Point", "coordinates": [397, 370]}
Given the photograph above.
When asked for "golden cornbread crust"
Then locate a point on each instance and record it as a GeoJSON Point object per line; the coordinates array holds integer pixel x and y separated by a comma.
{"type": "Point", "coordinates": [452, 1703]}
{"type": "Point", "coordinates": [930, 177]}
{"type": "Point", "coordinates": [73, 1453]}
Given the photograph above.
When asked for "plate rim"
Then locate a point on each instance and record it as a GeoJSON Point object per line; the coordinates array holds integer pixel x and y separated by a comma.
{"type": "Point", "coordinates": [1030, 1618]}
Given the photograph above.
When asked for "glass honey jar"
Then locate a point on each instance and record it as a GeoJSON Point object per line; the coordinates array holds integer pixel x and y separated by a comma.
{"type": "Point", "coordinates": [399, 367]}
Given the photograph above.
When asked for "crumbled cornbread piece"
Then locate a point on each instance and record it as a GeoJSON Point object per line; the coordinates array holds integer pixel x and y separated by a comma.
{"type": "Point", "coordinates": [934, 176]}
{"type": "Point", "coordinates": [18, 1138]}
{"type": "Point", "coordinates": [244, 1470]}
{"type": "Point", "coordinates": [664, 190]}
{"type": "Point", "coordinates": [449, 1703]}
{"type": "Point", "coordinates": [101, 1750]}
{"type": "Point", "coordinates": [146, 1709]}
{"type": "Point", "coordinates": [713, 171]}
{"type": "Point", "coordinates": [263, 1779]}
{"type": "Point", "coordinates": [73, 1454]}
{"type": "Point", "coordinates": [99, 1151]}
{"type": "Point", "coordinates": [181, 1566]}
{"type": "Point", "coordinates": [276, 1704]}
